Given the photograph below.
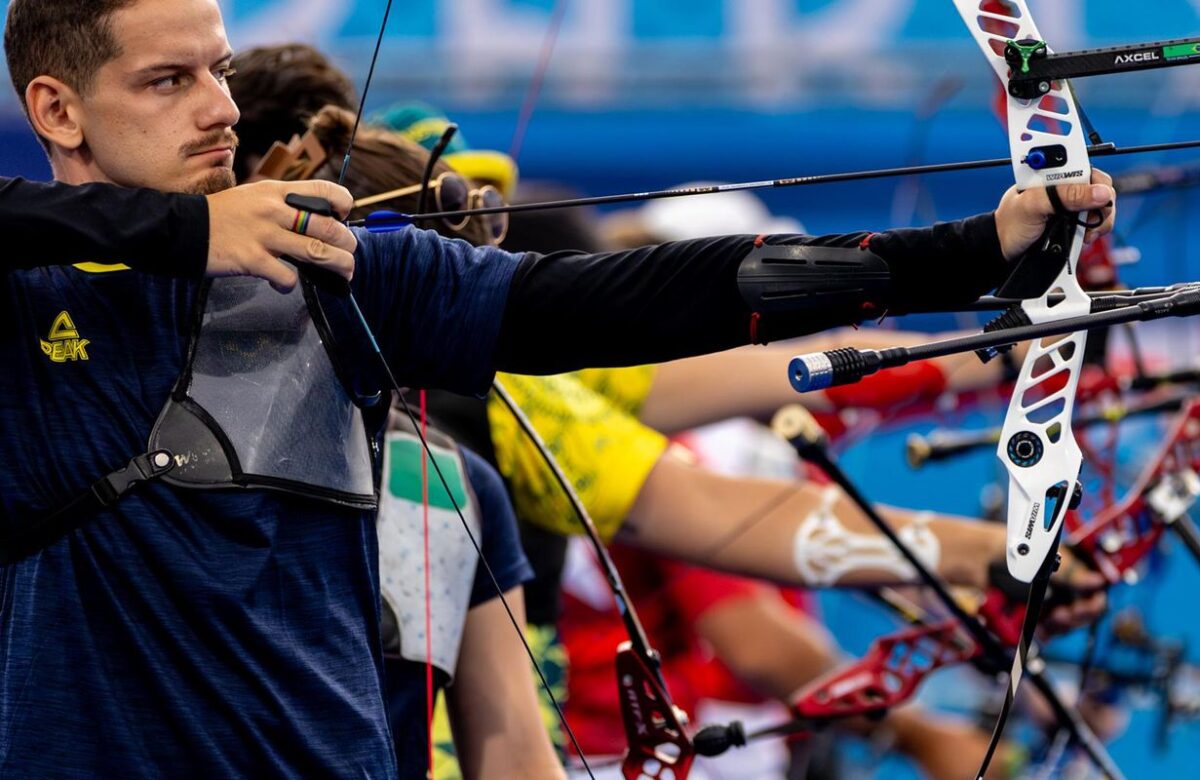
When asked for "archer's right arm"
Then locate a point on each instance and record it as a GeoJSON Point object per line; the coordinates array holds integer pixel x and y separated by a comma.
{"type": "Point", "coordinates": [239, 232]}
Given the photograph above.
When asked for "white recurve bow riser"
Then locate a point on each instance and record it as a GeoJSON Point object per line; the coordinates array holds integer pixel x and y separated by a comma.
{"type": "Point", "coordinates": [1038, 446]}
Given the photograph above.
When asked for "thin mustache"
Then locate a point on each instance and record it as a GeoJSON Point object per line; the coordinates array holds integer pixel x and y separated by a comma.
{"type": "Point", "coordinates": [229, 139]}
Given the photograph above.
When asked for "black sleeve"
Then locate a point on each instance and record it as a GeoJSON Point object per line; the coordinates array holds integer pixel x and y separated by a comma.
{"type": "Point", "coordinates": [60, 224]}
{"type": "Point", "coordinates": [568, 310]}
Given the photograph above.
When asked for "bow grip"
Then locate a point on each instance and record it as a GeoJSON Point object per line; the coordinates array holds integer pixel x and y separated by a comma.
{"type": "Point", "coordinates": [1041, 264]}
{"type": "Point", "coordinates": [1003, 609]}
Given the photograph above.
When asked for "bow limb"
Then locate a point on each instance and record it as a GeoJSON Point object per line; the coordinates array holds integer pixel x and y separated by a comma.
{"type": "Point", "coordinates": [1037, 446]}
{"type": "Point", "coordinates": [659, 746]}
{"type": "Point", "coordinates": [655, 729]}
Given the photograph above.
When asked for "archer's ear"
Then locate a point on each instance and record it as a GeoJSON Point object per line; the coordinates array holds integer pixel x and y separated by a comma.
{"type": "Point", "coordinates": [54, 112]}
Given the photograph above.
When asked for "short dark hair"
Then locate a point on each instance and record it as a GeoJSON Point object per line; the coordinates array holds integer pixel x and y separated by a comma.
{"type": "Point", "coordinates": [67, 39]}
{"type": "Point", "coordinates": [277, 89]}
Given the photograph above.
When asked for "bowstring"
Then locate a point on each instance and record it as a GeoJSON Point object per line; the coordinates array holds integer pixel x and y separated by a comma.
{"type": "Point", "coordinates": [428, 452]}
{"type": "Point", "coordinates": [387, 12]}
{"type": "Point", "coordinates": [423, 432]}
{"type": "Point", "coordinates": [512, 618]}
{"type": "Point", "coordinates": [534, 91]}
{"type": "Point", "coordinates": [430, 707]}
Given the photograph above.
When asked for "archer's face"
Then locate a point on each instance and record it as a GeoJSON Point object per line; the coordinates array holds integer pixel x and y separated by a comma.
{"type": "Point", "coordinates": [160, 115]}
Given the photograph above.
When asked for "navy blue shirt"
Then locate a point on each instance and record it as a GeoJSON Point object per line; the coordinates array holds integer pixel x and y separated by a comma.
{"type": "Point", "coordinates": [185, 633]}
{"type": "Point", "coordinates": [501, 545]}
{"type": "Point", "coordinates": [501, 542]}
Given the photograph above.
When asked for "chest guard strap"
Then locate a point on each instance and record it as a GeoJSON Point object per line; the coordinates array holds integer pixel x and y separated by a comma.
{"type": "Point", "coordinates": [102, 494]}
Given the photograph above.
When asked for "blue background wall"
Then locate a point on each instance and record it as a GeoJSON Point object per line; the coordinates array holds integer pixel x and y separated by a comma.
{"type": "Point", "coordinates": [649, 93]}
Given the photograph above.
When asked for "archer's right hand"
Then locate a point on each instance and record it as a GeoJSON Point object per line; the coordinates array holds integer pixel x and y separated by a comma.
{"type": "Point", "coordinates": [250, 229]}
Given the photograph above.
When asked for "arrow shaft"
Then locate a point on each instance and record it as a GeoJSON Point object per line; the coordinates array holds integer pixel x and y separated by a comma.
{"type": "Point", "coordinates": [1103, 150]}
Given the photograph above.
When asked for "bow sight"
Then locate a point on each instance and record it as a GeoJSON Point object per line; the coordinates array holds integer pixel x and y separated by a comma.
{"type": "Point", "coordinates": [1035, 69]}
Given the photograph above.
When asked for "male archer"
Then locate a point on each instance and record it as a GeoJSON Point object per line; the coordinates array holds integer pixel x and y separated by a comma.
{"type": "Point", "coordinates": [223, 619]}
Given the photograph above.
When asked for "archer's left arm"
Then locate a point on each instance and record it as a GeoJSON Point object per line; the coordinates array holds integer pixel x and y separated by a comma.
{"type": "Point", "coordinates": [449, 315]}
{"type": "Point", "coordinates": [570, 310]}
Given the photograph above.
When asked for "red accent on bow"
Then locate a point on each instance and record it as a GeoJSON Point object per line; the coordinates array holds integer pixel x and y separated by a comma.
{"type": "Point", "coordinates": [887, 675]}
{"type": "Point", "coordinates": [1119, 538]}
{"type": "Point", "coordinates": [1002, 616]}
{"type": "Point", "coordinates": [659, 747]}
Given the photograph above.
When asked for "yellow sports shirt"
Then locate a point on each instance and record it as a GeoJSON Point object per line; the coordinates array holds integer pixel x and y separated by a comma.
{"type": "Point", "coordinates": [588, 421]}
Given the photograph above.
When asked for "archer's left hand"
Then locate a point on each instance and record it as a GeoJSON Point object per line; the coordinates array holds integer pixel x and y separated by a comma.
{"type": "Point", "coordinates": [1022, 216]}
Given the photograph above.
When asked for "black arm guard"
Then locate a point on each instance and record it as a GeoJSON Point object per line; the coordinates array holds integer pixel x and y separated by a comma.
{"type": "Point", "coordinates": [790, 278]}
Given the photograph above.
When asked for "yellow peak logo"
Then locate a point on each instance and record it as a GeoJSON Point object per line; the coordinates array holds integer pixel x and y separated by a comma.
{"type": "Point", "coordinates": [64, 344]}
